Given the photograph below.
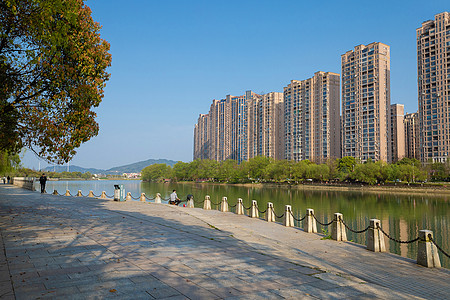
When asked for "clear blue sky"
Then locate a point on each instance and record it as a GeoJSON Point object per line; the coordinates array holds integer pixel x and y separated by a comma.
{"type": "Point", "coordinates": [172, 58]}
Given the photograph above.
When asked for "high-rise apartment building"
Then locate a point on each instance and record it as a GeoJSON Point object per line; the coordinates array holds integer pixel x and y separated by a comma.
{"type": "Point", "coordinates": [412, 136]}
{"type": "Point", "coordinates": [201, 137]}
{"type": "Point", "coordinates": [397, 132]}
{"type": "Point", "coordinates": [312, 118]}
{"type": "Point", "coordinates": [366, 102]}
{"type": "Point", "coordinates": [433, 70]}
{"type": "Point", "coordinates": [240, 127]}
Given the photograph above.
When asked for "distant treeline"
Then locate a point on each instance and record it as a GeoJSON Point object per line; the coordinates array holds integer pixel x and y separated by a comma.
{"type": "Point", "coordinates": [263, 169]}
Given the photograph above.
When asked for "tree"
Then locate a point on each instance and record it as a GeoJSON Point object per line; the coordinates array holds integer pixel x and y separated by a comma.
{"type": "Point", "coordinates": [156, 172]}
{"type": "Point", "coordinates": [53, 72]}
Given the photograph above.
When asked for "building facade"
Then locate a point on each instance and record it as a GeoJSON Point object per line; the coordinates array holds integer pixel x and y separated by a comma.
{"type": "Point", "coordinates": [366, 102]}
{"type": "Point", "coordinates": [312, 118]}
{"type": "Point", "coordinates": [397, 132]}
{"type": "Point", "coordinates": [412, 136]}
{"type": "Point", "coordinates": [433, 69]}
{"type": "Point", "coordinates": [240, 127]}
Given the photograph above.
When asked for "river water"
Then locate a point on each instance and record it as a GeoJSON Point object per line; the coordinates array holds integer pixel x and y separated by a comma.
{"type": "Point", "coordinates": [401, 215]}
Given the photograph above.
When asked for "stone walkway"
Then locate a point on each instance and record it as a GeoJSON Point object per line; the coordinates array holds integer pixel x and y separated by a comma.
{"type": "Point", "coordinates": [86, 248]}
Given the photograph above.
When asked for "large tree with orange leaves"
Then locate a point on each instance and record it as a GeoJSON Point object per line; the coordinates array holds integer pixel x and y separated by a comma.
{"type": "Point", "coordinates": [52, 74]}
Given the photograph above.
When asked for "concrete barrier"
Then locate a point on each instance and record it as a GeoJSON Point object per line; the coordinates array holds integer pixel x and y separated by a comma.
{"type": "Point", "coordinates": [240, 207]}
{"type": "Point", "coordinates": [224, 205]}
{"type": "Point", "coordinates": [375, 238]}
{"type": "Point", "coordinates": [310, 224]}
{"type": "Point", "coordinates": [91, 194]}
{"type": "Point", "coordinates": [427, 253]}
{"type": "Point", "coordinates": [142, 198]}
{"type": "Point", "coordinates": [270, 215]}
{"type": "Point", "coordinates": [207, 203]}
{"type": "Point", "coordinates": [24, 182]}
{"type": "Point", "coordinates": [338, 232]}
{"type": "Point", "coordinates": [157, 198]}
{"type": "Point", "coordinates": [128, 197]}
{"type": "Point", "coordinates": [254, 210]}
{"type": "Point", "coordinates": [288, 218]}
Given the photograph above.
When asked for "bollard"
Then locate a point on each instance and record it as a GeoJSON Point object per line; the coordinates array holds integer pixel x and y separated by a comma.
{"type": "Point", "coordinates": [427, 252]}
{"type": "Point", "coordinates": [67, 193]}
{"type": "Point", "coordinates": [375, 238]}
{"type": "Point", "coordinates": [224, 205]}
{"type": "Point", "coordinates": [79, 194]}
{"type": "Point", "coordinates": [190, 202]}
{"type": "Point", "coordinates": [270, 215]}
{"type": "Point", "coordinates": [288, 218]}
{"type": "Point", "coordinates": [142, 198]}
{"type": "Point", "coordinates": [254, 210]}
{"type": "Point", "coordinates": [207, 203]}
{"type": "Point", "coordinates": [310, 224]}
{"type": "Point", "coordinates": [55, 192]}
{"type": "Point", "coordinates": [103, 196]}
{"type": "Point", "coordinates": [91, 194]}
{"type": "Point", "coordinates": [157, 198]}
{"type": "Point", "coordinates": [338, 232]}
{"type": "Point", "coordinates": [239, 207]}
{"type": "Point", "coordinates": [128, 197]}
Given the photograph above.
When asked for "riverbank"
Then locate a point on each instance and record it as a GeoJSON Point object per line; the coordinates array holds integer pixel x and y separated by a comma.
{"type": "Point", "coordinates": [429, 190]}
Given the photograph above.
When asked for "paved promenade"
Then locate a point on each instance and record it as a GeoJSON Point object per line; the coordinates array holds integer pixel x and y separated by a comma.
{"type": "Point", "coordinates": [86, 248]}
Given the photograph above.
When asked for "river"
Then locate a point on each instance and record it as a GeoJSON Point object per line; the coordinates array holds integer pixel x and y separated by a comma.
{"type": "Point", "coordinates": [401, 215]}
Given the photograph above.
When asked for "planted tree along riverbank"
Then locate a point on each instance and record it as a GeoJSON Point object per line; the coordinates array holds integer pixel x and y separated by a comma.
{"type": "Point", "coordinates": [263, 169]}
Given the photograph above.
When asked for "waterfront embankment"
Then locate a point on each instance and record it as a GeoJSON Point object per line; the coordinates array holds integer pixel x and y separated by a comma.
{"type": "Point", "coordinates": [82, 248]}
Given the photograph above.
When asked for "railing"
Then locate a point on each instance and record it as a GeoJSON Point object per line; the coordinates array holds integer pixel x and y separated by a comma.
{"type": "Point", "coordinates": [427, 254]}
{"type": "Point", "coordinates": [24, 182]}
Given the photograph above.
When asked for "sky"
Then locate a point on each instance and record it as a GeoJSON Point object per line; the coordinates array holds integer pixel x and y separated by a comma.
{"type": "Point", "coordinates": [171, 58]}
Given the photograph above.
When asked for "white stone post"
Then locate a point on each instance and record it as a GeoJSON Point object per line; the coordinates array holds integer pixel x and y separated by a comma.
{"type": "Point", "coordinates": [310, 224]}
{"type": "Point", "coordinates": [207, 203]}
{"type": "Point", "coordinates": [375, 238]}
{"type": "Point", "coordinates": [142, 197]}
{"type": "Point", "coordinates": [128, 198]}
{"type": "Point", "coordinates": [239, 207]}
{"type": "Point", "coordinates": [157, 198]}
{"type": "Point", "coordinates": [338, 232]}
{"type": "Point", "coordinates": [79, 194]}
{"type": "Point", "coordinates": [427, 252]}
{"type": "Point", "coordinates": [270, 215]}
{"type": "Point", "coordinates": [91, 194]}
{"type": "Point", "coordinates": [55, 192]}
{"type": "Point", "coordinates": [103, 196]}
{"type": "Point", "coordinates": [254, 210]}
{"type": "Point", "coordinates": [224, 205]}
{"type": "Point", "coordinates": [67, 193]}
{"type": "Point", "coordinates": [288, 218]}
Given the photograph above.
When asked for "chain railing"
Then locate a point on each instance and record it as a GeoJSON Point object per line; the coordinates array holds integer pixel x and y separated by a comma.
{"type": "Point", "coordinates": [430, 237]}
{"type": "Point", "coordinates": [352, 230]}
{"type": "Point", "coordinates": [395, 240]}
{"type": "Point", "coordinates": [298, 220]}
{"type": "Point", "coordinates": [276, 216]}
{"type": "Point", "coordinates": [323, 224]}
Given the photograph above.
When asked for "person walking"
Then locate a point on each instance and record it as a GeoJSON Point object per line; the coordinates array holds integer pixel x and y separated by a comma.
{"type": "Point", "coordinates": [9, 179]}
{"type": "Point", "coordinates": [42, 181]}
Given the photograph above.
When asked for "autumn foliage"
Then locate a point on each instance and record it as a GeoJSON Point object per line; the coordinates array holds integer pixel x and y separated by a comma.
{"type": "Point", "coordinates": [53, 71]}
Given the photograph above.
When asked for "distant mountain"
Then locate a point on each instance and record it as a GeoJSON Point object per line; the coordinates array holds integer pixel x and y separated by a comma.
{"type": "Point", "coordinates": [73, 168]}
{"type": "Point", "coordinates": [131, 168]}
{"type": "Point", "coordinates": [138, 166]}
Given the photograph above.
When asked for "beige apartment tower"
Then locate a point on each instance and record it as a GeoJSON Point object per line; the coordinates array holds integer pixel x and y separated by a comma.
{"type": "Point", "coordinates": [397, 132]}
{"type": "Point", "coordinates": [433, 70]}
{"type": "Point", "coordinates": [312, 118]}
{"type": "Point", "coordinates": [241, 127]}
{"type": "Point", "coordinates": [412, 136]}
{"type": "Point", "coordinates": [366, 102]}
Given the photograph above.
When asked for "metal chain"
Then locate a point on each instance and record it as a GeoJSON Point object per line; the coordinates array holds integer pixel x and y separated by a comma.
{"type": "Point", "coordinates": [149, 198]}
{"type": "Point", "coordinates": [109, 196]}
{"type": "Point", "coordinates": [261, 212]}
{"type": "Point", "coordinates": [247, 208]}
{"type": "Point", "coordinates": [279, 217]}
{"type": "Point", "coordinates": [355, 231]}
{"type": "Point", "coordinates": [437, 246]}
{"type": "Point", "coordinates": [395, 240]}
{"type": "Point", "coordinates": [199, 202]}
{"type": "Point", "coordinates": [232, 205]}
{"type": "Point", "coordinates": [298, 220]}
{"type": "Point", "coordinates": [218, 203]}
{"type": "Point", "coordinates": [323, 224]}
{"type": "Point", "coordinates": [96, 195]}
{"type": "Point", "coordinates": [137, 198]}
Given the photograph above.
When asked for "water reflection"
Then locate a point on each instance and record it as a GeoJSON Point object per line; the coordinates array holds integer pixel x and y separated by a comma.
{"type": "Point", "coordinates": [402, 216]}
